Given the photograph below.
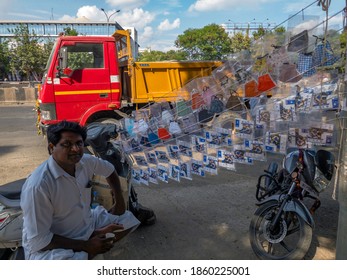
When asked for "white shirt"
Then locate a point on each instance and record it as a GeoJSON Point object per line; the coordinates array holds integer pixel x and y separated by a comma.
{"type": "Point", "coordinates": [55, 202]}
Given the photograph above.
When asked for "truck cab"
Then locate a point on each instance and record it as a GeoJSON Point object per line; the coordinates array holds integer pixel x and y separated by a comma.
{"type": "Point", "coordinates": [81, 75]}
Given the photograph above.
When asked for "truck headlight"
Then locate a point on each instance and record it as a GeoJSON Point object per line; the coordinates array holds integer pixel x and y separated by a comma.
{"type": "Point", "coordinates": [47, 111]}
{"type": "Point", "coordinates": [46, 115]}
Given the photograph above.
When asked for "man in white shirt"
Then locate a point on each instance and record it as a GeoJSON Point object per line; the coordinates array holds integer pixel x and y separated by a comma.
{"type": "Point", "coordinates": [58, 220]}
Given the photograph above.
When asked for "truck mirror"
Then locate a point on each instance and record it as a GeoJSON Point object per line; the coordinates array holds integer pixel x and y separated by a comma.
{"type": "Point", "coordinates": [67, 72]}
{"type": "Point", "coordinates": [63, 58]}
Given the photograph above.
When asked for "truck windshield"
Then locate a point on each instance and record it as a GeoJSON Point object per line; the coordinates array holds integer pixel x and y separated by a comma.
{"type": "Point", "coordinates": [49, 61]}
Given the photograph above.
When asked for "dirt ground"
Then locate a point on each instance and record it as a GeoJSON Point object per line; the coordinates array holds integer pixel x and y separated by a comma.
{"type": "Point", "coordinates": [205, 218]}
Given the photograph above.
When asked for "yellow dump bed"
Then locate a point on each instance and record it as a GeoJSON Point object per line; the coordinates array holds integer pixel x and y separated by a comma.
{"type": "Point", "coordinates": [155, 81]}
{"type": "Point", "coordinates": [144, 82]}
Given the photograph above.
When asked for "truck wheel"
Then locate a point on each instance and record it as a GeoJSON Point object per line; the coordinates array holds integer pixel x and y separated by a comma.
{"type": "Point", "coordinates": [110, 120]}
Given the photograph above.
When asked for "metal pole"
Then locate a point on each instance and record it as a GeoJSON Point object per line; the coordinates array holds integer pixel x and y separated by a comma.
{"type": "Point", "coordinates": [341, 241]}
{"type": "Point", "coordinates": [108, 18]}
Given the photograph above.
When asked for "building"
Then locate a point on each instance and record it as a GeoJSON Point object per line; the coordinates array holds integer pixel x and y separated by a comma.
{"type": "Point", "coordinates": [52, 28]}
{"type": "Point", "coordinates": [232, 28]}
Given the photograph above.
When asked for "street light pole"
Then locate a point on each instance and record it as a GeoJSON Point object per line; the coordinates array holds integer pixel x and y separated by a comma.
{"type": "Point", "coordinates": [108, 18]}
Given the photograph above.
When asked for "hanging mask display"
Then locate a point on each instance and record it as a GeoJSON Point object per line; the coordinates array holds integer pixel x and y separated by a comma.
{"type": "Point", "coordinates": [151, 157]}
{"type": "Point", "coordinates": [226, 159]}
{"type": "Point", "coordinates": [185, 148]}
{"type": "Point", "coordinates": [174, 128]}
{"type": "Point", "coordinates": [288, 73]}
{"type": "Point", "coordinates": [197, 167]}
{"type": "Point", "coordinates": [305, 64]}
{"type": "Point", "coordinates": [162, 156]}
{"type": "Point", "coordinates": [255, 149]}
{"type": "Point", "coordinates": [185, 170]}
{"type": "Point", "coordinates": [210, 164]}
{"type": "Point", "coordinates": [153, 175]}
{"type": "Point", "coordinates": [239, 155]}
{"type": "Point", "coordinates": [173, 151]}
{"type": "Point", "coordinates": [244, 129]}
{"type": "Point", "coordinates": [163, 173]}
{"type": "Point", "coordinates": [183, 108]}
{"type": "Point", "coordinates": [199, 144]}
{"type": "Point", "coordinates": [323, 54]}
{"type": "Point", "coordinates": [144, 176]}
{"type": "Point", "coordinates": [136, 176]}
{"type": "Point", "coordinates": [251, 105]}
{"type": "Point", "coordinates": [213, 139]}
{"type": "Point", "coordinates": [298, 42]}
{"type": "Point", "coordinates": [174, 172]}
{"type": "Point", "coordinates": [276, 142]}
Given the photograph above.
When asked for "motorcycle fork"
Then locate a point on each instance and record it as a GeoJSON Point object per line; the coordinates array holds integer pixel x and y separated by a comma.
{"type": "Point", "coordinates": [278, 215]}
{"type": "Point", "coordinates": [315, 206]}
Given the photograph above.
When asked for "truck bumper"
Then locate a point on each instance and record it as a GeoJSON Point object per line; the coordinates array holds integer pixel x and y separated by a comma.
{"type": "Point", "coordinates": [43, 128]}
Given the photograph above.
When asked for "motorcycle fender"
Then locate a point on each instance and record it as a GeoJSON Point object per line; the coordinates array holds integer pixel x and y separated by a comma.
{"type": "Point", "coordinates": [273, 197]}
{"type": "Point", "coordinates": [298, 207]}
{"type": "Point", "coordinates": [293, 205]}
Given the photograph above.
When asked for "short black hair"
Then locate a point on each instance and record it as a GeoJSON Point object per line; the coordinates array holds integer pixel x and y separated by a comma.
{"type": "Point", "coordinates": [54, 131]}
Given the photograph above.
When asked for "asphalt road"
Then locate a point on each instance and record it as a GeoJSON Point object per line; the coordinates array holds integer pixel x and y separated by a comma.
{"type": "Point", "coordinates": [206, 218]}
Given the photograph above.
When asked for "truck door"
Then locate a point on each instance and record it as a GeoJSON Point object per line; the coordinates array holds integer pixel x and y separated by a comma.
{"type": "Point", "coordinates": [82, 78]}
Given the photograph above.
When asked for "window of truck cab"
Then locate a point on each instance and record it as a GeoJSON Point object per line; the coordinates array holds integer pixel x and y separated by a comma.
{"type": "Point", "coordinates": [83, 56]}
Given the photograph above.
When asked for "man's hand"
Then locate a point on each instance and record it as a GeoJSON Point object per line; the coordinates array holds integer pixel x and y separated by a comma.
{"type": "Point", "coordinates": [107, 229]}
{"type": "Point", "coordinates": [98, 244]}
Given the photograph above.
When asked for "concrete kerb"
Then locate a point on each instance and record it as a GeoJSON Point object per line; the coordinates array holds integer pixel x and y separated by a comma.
{"type": "Point", "coordinates": [17, 93]}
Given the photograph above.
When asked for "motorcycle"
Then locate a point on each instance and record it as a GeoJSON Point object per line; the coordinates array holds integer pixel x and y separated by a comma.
{"type": "Point", "coordinates": [282, 226]}
{"type": "Point", "coordinates": [99, 139]}
{"type": "Point", "coordinates": [102, 142]}
{"type": "Point", "coordinates": [11, 224]}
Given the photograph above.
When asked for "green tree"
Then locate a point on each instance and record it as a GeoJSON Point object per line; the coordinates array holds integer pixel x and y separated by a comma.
{"type": "Point", "coordinates": [27, 54]}
{"type": "Point", "coordinates": [161, 56]}
{"type": "Point", "coordinates": [68, 31]}
{"type": "Point", "coordinates": [240, 42]}
{"type": "Point", "coordinates": [259, 33]}
{"type": "Point", "coordinates": [208, 43]}
{"type": "Point", "coordinates": [4, 59]}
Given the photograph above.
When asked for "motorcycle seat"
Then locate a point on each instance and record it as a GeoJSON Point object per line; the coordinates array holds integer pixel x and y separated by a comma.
{"type": "Point", "coordinates": [10, 192]}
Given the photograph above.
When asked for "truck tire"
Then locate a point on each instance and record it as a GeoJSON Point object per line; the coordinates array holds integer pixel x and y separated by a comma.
{"type": "Point", "coordinates": [105, 117]}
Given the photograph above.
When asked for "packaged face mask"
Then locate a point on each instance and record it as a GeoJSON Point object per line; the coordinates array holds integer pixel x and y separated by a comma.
{"type": "Point", "coordinates": [183, 108]}
{"type": "Point", "coordinates": [298, 42]}
{"type": "Point", "coordinates": [174, 128]}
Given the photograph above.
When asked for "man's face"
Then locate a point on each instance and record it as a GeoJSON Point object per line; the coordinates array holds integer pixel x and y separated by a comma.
{"type": "Point", "coordinates": [69, 150]}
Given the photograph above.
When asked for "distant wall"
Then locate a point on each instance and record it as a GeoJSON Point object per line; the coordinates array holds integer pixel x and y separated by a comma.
{"type": "Point", "coordinates": [19, 92]}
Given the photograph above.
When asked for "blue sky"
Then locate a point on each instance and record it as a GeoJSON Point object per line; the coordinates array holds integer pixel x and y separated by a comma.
{"type": "Point", "coordinates": [160, 22]}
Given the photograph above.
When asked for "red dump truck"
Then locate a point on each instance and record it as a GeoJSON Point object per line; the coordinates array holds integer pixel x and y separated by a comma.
{"type": "Point", "coordinates": [91, 78]}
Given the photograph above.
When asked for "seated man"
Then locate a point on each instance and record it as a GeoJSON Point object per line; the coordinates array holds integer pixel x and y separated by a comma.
{"type": "Point", "coordinates": [58, 220]}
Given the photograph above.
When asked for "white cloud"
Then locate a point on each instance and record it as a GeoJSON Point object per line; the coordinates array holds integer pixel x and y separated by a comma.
{"type": "Point", "coordinates": [137, 18]}
{"type": "Point", "coordinates": [146, 36]}
{"type": "Point", "coordinates": [219, 5]}
{"type": "Point", "coordinates": [166, 25]}
{"type": "Point", "coordinates": [94, 13]}
{"type": "Point", "coordinates": [67, 18]}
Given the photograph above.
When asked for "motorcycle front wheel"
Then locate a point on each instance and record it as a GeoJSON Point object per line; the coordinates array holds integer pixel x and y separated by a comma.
{"type": "Point", "coordinates": [289, 240]}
